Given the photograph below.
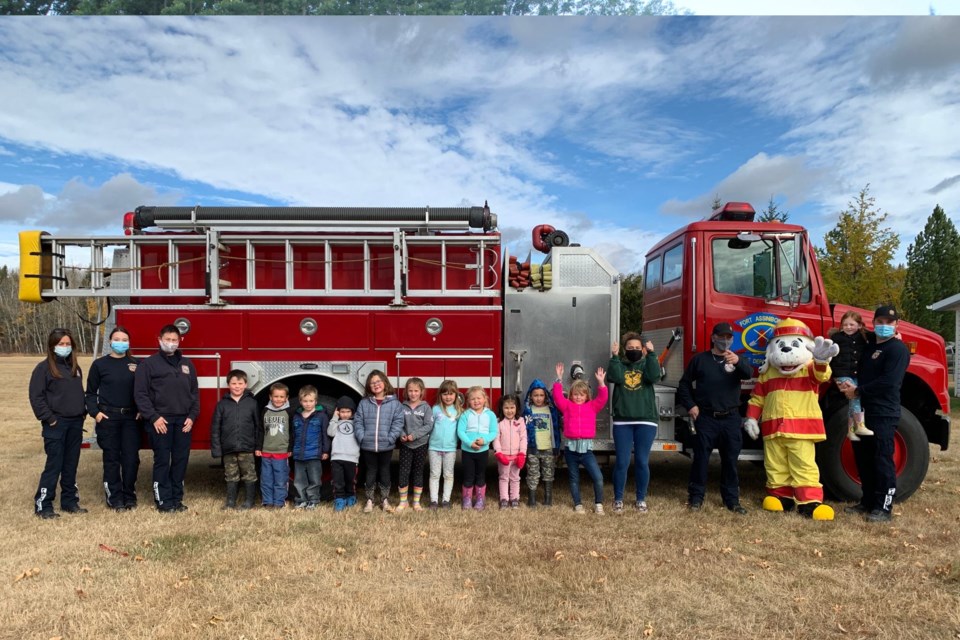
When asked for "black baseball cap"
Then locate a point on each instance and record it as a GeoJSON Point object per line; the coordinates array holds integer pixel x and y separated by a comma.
{"type": "Point", "coordinates": [886, 311]}
{"type": "Point", "coordinates": [722, 329]}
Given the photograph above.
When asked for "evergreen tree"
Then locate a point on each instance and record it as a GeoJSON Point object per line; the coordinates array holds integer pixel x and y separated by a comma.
{"type": "Point", "coordinates": [857, 255]}
{"type": "Point", "coordinates": [773, 213]}
{"type": "Point", "coordinates": [933, 273]}
{"type": "Point", "coordinates": [631, 302]}
{"type": "Point", "coordinates": [717, 203]}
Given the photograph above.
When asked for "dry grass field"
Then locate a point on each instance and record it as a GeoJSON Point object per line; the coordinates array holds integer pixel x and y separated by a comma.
{"type": "Point", "coordinates": [544, 573]}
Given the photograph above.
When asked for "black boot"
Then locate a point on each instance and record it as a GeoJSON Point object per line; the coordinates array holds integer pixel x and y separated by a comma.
{"type": "Point", "coordinates": [231, 502]}
{"type": "Point", "coordinates": [251, 488]}
{"type": "Point", "coordinates": [548, 494]}
{"type": "Point", "coordinates": [531, 497]}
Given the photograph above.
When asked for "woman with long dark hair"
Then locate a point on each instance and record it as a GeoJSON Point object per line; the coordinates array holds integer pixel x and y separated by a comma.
{"type": "Point", "coordinates": [56, 397]}
{"type": "Point", "coordinates": [110, 403]}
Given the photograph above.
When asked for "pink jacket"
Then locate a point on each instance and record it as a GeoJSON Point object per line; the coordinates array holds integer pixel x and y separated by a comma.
{"type": "Point", "coordinates": [579, 420]}
{"type": "Point", "coordinates": [511, 438]}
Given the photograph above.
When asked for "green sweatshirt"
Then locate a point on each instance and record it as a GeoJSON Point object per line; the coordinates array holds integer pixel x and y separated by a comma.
{"type": "Point", "coordinates": [634, 398]}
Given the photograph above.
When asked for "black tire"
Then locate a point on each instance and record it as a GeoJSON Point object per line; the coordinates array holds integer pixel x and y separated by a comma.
{"type": "Point", "coordinates": [840, 486]}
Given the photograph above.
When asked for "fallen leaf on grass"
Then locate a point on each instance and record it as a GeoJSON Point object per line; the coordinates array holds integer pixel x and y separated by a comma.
{"type": "Point", "coordinates": [56, 638]}
{"type": "Point", "coordinates": [686, 551]}
{"type": "Point", "coordinates": [80, 593]}
{"type": "Point", "coordinates": [341, 551]}
{"type": "Point", "coordinates": [595, 554]}
{"type": "Point", "coordinates": [726, 550]}
{"type": "Point", "coordinates": [363, 566]}
{"type": "Point", "coordinates": [29, 573]}
{"type": "Point", "coordinates": [647, 630]}
{"type": "Point", "coordinates": [423, 534]}
{"type": "Point", "coordinates": [338, 583]}
{"type": "Point", "coordinates": [558, 556]}
{"type": "Point", "coordinates": [818, 553]}
{"type": "Point", "coordinates": [215, 620]}
{"type": "Point", "coordinates": [408, 569]}
{"type": "Point", "coordinates": [109, 549]}
{"type": "Point", "coordinates": [468, 584]}
{"type": "Point", "coordinates": [756, 541]}
{"type": "Point", "coordinates": [601, 580]}
{"type": "Point", "coordinates": [139, 559]}
{"type": "Point", "coordinates": [840, 627]}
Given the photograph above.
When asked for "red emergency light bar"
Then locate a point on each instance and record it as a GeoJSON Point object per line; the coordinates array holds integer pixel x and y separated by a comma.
{"type": "Point", "coordinates": [129, 223]}
{"type": "Point", "coordinates": [735, 211]}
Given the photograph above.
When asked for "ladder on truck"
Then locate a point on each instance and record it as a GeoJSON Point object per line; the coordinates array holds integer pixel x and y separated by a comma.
{"type": "Point", "coordinates": [208, 238]}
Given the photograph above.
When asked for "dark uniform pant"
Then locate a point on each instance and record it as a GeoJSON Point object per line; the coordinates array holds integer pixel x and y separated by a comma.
{"type": "Point", "coordinates": [171, 453]}
{"type": "Point", "coordinates": [725, 435]}
{"type": "Point", "coordinates": [119, 437]}
{"type": "Point", "coordinates": [874, 457]}
{"type": "Point", "coordinates": [62, 446]}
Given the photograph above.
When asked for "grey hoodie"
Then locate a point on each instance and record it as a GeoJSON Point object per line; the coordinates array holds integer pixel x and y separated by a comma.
{"type": "Point", "coordinates": [418, 422]}
{"type": "Point", "coordinates": [345, 445]}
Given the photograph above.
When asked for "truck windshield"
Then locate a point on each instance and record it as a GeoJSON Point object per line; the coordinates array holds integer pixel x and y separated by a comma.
{"type": "Point", "coordinates": [761, 269]}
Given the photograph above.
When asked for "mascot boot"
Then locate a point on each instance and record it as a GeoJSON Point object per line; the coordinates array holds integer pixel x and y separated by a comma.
{"type": "Point", "coordinates": [773, 503]}
{"type": "Point", "coordinates": [816, 511]}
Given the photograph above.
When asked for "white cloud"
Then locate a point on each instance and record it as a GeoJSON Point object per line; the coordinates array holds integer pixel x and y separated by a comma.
{"type": "Point", "coordinates": [820, 7]}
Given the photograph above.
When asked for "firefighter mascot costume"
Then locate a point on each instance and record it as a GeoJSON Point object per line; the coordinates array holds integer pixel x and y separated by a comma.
{"type": "Point", "coordinates": [784, 408]}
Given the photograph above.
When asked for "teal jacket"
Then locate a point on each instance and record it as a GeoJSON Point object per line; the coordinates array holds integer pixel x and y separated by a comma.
{"type": "Point", "coordinates": [473, 425]}
{"type": "Point", "coordinates": [634, 398]}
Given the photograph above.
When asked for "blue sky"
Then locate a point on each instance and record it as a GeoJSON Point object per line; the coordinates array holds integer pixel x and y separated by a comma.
{"type": "Point", "coordinates": [617, 131]}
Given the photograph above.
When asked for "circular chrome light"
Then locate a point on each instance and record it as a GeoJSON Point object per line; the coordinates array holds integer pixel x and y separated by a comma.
{"type": "Point", "coordinates": [183, 325]}
{"type": "Point", "coordinates": [434, 326]}
{"type": "Point", "coordinates": [308, 326]}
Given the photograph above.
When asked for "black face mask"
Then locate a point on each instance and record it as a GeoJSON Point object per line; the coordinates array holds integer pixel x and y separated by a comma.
{"type": "Point", "coordinates": [634, 355]}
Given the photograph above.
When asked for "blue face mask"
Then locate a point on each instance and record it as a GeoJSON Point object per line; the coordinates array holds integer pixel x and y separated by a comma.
{"type": "Point", "coordinates": [120, 347]}
{"type": "Point", "coordinates": [63, 352]}
{"type": "Point", "coordinates": [885, 330]}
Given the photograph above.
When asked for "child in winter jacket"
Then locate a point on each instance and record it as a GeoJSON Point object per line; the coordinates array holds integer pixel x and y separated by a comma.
{"type": "Point", "coordinates": [476, 429]}
{"type": "Point", "coordinates": [852, 340]}
{"type": "Point", "coordinates": [510, 446]}
{"type": "Point", "coordinates": [579, 429]}
{"type": "Point", "coordinates": [344, 455]}
{"type": "Point", "coordinates": [377, 425]}
{"type": "Point", "coordinates": [234, 436]}
{"type": "Point", "coordinates": [310, 447]}
{"type": "Point", "coordinates": [444, 442]}
{"type": "Point", "coordinates": [417, 425]}
{"type": "Point", "coordinates": [543, 441]}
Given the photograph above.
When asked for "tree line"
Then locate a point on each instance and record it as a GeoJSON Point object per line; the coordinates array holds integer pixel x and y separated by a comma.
{"type": "Point", "coordinates": [856, 263]}
{"type": "Point", "coordinates": [340, 7]}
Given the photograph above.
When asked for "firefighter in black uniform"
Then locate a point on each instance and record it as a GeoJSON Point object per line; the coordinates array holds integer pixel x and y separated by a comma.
{"type": "Point", "coordinates": [168, 398]}
{"type": "Point", "coordinates": [710, 392]}
{"type": "Point", "coordinates": [880, 375]}
{"type": "Point", "coordinates": [56, 397]}
{"type": "Point", "coordinates": [110, 402]}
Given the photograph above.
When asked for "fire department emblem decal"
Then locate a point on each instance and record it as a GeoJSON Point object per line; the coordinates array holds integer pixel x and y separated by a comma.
{"type": "Point", "coordinates": [185, 369]}
{"type": "Point", "coordinates": [632, 379]}
{"type": "Point", "coordinates": [132, 367]}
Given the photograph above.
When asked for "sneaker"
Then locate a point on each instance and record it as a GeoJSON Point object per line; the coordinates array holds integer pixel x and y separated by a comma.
{"type": "Point", "coordinates": [310, 507]}
{"type": "Point", "coordinates": [386, 506]}
{"type": "Point", "coordinates": [400, 507]}
{"type": "Point", "coordinates": [852, 436]}
{"type": "Point", "coordinates": [618, 506]}
{"type": "Point", "coordinates": [856, 510]}
{"type": "Point", "coordinates": [598, 508]}
{"type": "Point", "coordinates": [515, 504]}
{"type": "Point", "coordinates": [368, 507]}
{"type": "Point", "coordinates": [446, 505]}
{"type": "Point", "coordinates": [434, 506]}
{"type": "Point", "coordinates": [879, 515]}
{"type": "Point", "coordinates": [78, 509]}
{"type": "Point", "coordinates": [339, 504]}
{"type": "Point", "coordinates": [351, 501]}
{"type": "Point", "coordinates": [299, 505]}
{"type": "Point", "coordinates": [642, 506]}
{"type": "Point", "coordinates": [504, 504]}
{"type": "Point", "coordinates": [47, 515]}
{"type": "Point", "coordinates": [737, 509]}
{"type": "Point", "coordinates": [695, 506]}
{"type": "Point", "coordinates": [180, 508]}
{"type": "Point", "coordinates": [578, 509]}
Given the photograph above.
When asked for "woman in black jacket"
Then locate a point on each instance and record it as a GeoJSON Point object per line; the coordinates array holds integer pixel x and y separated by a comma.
{"type": "Point", "coordinates": [56, 397]}
{"type": "Point", "coordinates": [110, 403]}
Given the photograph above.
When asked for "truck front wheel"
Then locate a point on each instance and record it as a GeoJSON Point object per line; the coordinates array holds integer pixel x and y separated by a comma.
{"type": "Point", "coordinates": [838, 469]}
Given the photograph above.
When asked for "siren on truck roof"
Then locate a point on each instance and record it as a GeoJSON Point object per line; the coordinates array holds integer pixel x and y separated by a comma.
{"type": "Point", "coordinates": [734, 211]}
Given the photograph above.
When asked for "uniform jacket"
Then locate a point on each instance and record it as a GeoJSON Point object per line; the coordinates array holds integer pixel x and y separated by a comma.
{"type": "Point", "coordinates": [52, 397]}
{"type": "Point", "coordinates": [110, 384]}
{"type": "Point", "coordinates": [579, 420]}
{"type": "Point", "coordinates": [236, 426]}
{"type": "Point", "coordinates": [167, 386]}
{"type": "Point", "coordinates": [378, 425]}
{"type": "Point", "coordinates": [788, 406]}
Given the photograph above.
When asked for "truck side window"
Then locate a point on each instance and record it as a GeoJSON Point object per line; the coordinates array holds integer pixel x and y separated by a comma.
{"type": "Point", "coordinates": [673, 263]}
{"type": "Point", "coordinates": [651, 274]}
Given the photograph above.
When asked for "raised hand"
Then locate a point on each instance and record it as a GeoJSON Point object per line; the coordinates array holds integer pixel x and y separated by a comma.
{"type": "Point", "coordinates": [559, 370]}
{"type": "Point", "coordinates": [601, 375]}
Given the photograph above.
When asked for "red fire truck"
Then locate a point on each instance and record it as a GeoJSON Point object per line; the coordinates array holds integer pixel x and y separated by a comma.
{"type": "Point", "coordinates": [323, 296]}
{"type": "Point", "coordinates": [752, 274]}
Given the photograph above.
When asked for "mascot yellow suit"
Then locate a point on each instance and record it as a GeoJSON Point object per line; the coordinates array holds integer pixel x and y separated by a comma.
{"type": "Point", "coordinates": [784, 408]}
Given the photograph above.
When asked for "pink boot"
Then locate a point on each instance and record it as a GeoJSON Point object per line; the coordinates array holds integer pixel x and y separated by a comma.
{"type": "Point", "coordinates": [481, 498]}
{"type": "Point", "coordinates": [467, 498]}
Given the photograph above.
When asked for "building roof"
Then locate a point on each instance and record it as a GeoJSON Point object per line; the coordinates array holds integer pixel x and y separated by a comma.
{"type": "Point", "coordinates": [947, 304]}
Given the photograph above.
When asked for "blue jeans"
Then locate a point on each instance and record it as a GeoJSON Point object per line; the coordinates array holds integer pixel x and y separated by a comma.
{"type": "Point", "coordinates": [589, 462]}
{"type": "Point", "coordinates": [306, 480]}
{"type": "Point", "coordinates": [274, 473]}
{"type": "Point", "coordinates": [853, 405]}
{"type": "Point", "coordinates": [637, 438]}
